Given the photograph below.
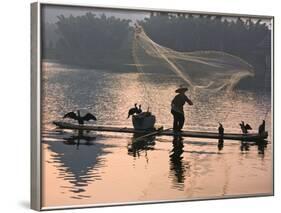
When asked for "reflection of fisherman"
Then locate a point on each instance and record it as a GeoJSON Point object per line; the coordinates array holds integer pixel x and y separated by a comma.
{"type": "Point", "coordinates": [176, 161]}
{"type": "Point", "coordinates": [177, 108]}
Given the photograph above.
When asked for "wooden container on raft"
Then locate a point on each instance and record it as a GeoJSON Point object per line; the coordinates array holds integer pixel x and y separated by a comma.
{"type": "Point", "coordinates": [143, 121]}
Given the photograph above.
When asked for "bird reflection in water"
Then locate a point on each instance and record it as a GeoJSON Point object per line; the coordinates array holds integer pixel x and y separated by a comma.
{"type": "Point", "coordinates": [244, 146]}
{"type": "Point", "coordinates": [261, 145]}
{"type": "Point", "coordinates": [80, 167]}
{"type": "Point", "coordinates": [136, 147]}
{"type": "Point", "coordinates": [220, 144]}
{"type": "Point", "coordinates": [177, 166]}
{"type": "Point", "coordinates": [79, 138]}
{"type": "Point", "coordinates": [221, 135]}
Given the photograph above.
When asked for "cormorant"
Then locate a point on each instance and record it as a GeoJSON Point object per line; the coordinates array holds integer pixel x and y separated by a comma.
{"type": "Point", "coordinates": [139, 109]}
{"type": "Point", "coordinates": [80, 118]}
{"type": "Point", "coordinates": [221, 130]}
{"type": "Point", "coordinates": [244, 127]}
{"type": "Point", "coordinates": [262, 127]}
{"type": "Point", "coordinates": [133, 111]}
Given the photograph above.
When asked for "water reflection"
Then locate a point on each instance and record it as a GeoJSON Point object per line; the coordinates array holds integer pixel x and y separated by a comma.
{"type": "Point", "coordinates": [260, 144]}
{"type": "Point", "coordinates": [220, 144]}
{"type": "Point", "coordinates": [78, 165]}
{"type": "Point", "coordinates": [79, 139]}
{"type": "Point", "coordinates": [244, 146]}
{"type": "Point", "coordinates": [82, 164]}
{"type": "Point", "coordinates": [136, 147]}
{"type": "Point", "coordinates": [177, 166]}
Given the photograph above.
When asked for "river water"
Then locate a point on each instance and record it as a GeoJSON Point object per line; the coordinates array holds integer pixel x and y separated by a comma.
{"type": "Point", "coordinates": [106, 168]}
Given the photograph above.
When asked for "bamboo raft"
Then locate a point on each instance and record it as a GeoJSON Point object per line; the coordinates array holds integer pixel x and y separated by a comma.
{"type": "Point", "coordinates": [195, 134]}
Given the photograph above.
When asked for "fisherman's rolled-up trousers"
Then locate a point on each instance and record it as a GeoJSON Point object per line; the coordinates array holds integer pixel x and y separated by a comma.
{"type": "Point", "coordinates": [178, 120]}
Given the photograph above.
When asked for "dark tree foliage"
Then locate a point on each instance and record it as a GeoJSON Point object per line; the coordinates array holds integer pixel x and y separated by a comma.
{"type": "Point", "coordinates": [203, 32]}
{"type": "Point", "coordinates": [105, 42]}
{"type": "Point", "coordinates": [93, 41]}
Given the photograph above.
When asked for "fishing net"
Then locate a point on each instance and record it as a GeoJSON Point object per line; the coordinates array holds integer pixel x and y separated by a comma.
{"type": "Point", "coordinates": [201, 70]}
{"type": "Point", "coordinates": [206, 73]}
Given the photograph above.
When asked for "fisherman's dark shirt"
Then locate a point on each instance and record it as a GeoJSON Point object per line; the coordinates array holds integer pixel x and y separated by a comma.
{"type": "Point", "coordinates": [178, 102]}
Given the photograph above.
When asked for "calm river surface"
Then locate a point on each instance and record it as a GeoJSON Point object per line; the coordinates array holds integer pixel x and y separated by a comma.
{"type": "Point", "coordinates": [108, 168]}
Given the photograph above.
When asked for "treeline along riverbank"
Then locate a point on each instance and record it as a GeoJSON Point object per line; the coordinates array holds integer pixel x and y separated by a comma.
{"type": "Point", "coordinates": [103, 42]}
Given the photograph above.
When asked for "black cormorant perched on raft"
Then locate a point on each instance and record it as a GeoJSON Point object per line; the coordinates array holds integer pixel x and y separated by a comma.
{"type": "Point", "coordinates": [244, 127]}
{"type": "Point", "coordinates": [262, 127]}
{"type": "Point", "coordinates": [221, 130]}
{"type": "Point", "coordinates": [139, 109]}
{"type": "Point", "coordinates": [80, 118]}
{"type": "Point", "coordinates": [134, 110]}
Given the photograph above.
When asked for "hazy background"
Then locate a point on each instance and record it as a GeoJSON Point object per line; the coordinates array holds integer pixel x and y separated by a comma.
{"type": "Point", "coordinates": [19, 74]}
{"type": "Point", "coordinates": [103, 39]}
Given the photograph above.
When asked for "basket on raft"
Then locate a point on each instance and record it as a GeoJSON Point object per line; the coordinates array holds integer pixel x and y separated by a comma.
{"type": "Point", "coordinates": [143, 121]}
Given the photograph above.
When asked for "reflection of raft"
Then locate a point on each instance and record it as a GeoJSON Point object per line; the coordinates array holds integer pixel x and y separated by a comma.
{"type": "Point", "coordinates": [143, 121]}
{"type": "Point", "coordinates": [195, 134]}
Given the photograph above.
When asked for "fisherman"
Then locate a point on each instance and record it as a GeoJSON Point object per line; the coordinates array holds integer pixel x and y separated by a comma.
{"type": "Point", "coordinates": [177, 108]}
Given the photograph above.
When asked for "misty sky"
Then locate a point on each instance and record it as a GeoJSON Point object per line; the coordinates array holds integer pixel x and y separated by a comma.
{"type": "Point", "coordinates": [50, 13]}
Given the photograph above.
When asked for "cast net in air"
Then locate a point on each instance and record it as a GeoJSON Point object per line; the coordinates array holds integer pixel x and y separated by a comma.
{"type": "Point", "coordinates": [201, 70]}
{"type": "Point", "coordinates": [206, 73]}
